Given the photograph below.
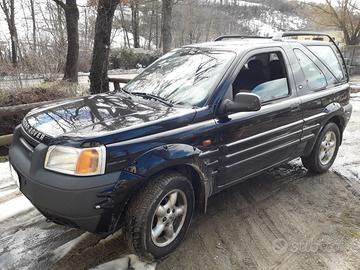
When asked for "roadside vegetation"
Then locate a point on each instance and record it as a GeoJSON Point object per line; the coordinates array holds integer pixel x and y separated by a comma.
{"type": "Point", "coordinates": [47, 91]}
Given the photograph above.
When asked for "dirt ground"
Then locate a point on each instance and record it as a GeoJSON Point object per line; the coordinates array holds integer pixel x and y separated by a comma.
{"type": "Point", "coordinates": [285, 218]}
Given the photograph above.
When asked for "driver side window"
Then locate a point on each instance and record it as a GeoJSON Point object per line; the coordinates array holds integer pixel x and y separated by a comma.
{"type": "Point", "coordinates": [265, 75]}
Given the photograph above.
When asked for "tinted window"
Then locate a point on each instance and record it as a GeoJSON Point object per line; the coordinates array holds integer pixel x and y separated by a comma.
{"type": "Point", "coordinates": [314, 77]}
{"type": "Point", "coordinates": [328, 57]}
{"type": "Point", "coordinates": [185, 76]}
{"type": "Point", "coordinates": [272, 90]}
{"type": "Point", "coordinates": [265, 75]}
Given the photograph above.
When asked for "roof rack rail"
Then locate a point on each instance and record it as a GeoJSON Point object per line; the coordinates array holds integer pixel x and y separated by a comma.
{"type": "Point", "coordinates": [279, 37]}
{"type": "Point", "coordinates": [238, 37]}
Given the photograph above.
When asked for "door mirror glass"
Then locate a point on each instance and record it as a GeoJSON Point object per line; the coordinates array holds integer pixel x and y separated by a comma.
{"type": "Point", "coordinates": [243, 102]}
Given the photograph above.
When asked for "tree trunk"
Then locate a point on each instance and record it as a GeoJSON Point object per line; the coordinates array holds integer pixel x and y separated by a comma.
{"type": "Point", "coordinates": [151, 24]}
{"type": "Point", "coordinates": [98, 74]}
{"type": "Point", "coordinates": [13, 33]}
{"type": "Point", "coordinates": [8, 8]}
{"type": "Point", "coordinates": [157, 38]}
{"type": "Point", "coordinates": [167, 6]}
{"type": "Point", "coordinates": [135, 22]}
{"type": "Point", "coordinates": [72, 28]}
{"type": "Point", "coordinates": [33, 18]}
{"type": "Point", "coordinates": [125, 28]}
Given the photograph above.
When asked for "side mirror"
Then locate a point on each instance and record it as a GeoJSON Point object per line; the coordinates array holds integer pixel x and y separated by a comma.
{"type": "Point", "coordinates": [243, 102]}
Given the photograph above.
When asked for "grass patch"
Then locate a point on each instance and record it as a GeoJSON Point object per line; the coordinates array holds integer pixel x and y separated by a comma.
{"type": "Point", "coordinates": [4, 158]}
{"type": "Point", "coordinates": [43, 92]}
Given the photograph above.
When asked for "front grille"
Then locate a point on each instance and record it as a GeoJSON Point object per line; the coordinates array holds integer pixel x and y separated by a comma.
{"type": "Point", "coordinates": [28, 142]}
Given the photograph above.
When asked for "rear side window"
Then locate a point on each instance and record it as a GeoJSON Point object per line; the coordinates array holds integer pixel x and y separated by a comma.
{"type": "Point", "coordinates": [328, 57]}
{"type": "Point", "coordinates": [313, 75]}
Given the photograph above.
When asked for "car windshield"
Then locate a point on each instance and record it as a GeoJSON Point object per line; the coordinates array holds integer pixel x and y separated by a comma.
{"type": "Point", "coordinates": [185, 76]}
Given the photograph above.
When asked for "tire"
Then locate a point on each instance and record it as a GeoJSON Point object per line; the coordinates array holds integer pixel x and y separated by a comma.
{"type": "Point", "coordinates": [322, 148]}
{"type": "Point", "coordinates": [145, 218]}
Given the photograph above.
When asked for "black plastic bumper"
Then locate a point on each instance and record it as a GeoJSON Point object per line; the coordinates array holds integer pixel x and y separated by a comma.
{"type": "Point", "coordinates": [92, 203]}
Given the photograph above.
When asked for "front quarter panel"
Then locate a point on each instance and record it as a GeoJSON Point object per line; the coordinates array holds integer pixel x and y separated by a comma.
{"type": "Point", "coordinates": [167, 156]}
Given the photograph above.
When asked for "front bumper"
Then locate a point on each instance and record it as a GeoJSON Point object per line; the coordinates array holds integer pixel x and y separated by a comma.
{"type": "Point", "coordinates": [93, 203]}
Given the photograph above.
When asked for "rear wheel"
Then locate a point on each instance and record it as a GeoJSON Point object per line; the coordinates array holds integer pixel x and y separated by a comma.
{"type": "Point", "coordinates": [325, 150]}
{"type": "Point", "coordinates": [159, 216]}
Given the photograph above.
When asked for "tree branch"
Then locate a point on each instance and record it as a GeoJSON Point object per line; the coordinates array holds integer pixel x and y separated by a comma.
{"type": "Point", "coordinates": [60, 3]}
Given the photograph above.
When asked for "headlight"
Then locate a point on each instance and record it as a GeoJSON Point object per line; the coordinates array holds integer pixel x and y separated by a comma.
{"type": "Point", "coordinates": [76, 161]}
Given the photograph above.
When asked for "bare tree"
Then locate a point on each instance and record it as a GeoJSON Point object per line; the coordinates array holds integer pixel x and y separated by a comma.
{"type": "Point", "coordinates": [342, 14]}
{"type": "Point", "coordinates": [8, 7]}
{"type": "Point", "coordinates": [134, 4]}
{"type": "Point", "coordinates": [167, 7]}
{"type": "Point", "coordinates": [33, 19]}
{"type": "Point", "coordinates": [72, 29]}
{"type": "Point", "coordinates": [98, 74]}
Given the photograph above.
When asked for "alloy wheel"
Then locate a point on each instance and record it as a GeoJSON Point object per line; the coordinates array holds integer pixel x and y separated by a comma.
{"type": "Point", "coordinates": [169, 218]}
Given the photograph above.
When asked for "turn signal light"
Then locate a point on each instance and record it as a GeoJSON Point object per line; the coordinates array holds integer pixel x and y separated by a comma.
{"type": "Point", "coordinates": [88, 162]}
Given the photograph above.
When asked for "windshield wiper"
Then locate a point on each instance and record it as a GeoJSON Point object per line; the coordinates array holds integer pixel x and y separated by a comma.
{"type": "Point", "coordinates": [151, 96]}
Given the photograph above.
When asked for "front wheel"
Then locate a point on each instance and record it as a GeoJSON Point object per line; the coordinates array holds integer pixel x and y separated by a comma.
{"type": "Point", "coordinates": [325, 150]}
{"type": "Point", "coordinates": [159, 216]}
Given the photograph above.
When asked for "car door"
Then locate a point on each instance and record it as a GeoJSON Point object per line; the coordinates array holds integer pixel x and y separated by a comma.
{"type": "Point", "coordinates": [254, 141]}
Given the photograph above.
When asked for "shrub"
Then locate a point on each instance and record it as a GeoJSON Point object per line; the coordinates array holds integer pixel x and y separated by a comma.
{"type": "Point", "coordinates": [43, 92]}
{"type": "Point", "coordinates": [131, 58]}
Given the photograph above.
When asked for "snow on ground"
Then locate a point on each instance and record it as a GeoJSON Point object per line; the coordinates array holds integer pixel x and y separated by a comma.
{"type": "Point", "coordinates": [273, 21]}
{"type": "Point", "coordinates": [27, 244]}
{"type": "Point", "coordinates": [240, 3]}
{"type": "Point", "coordinates": [347, 162]}
{"type": "Point", "coordinates": [119, 37]}
{"type": "Point", "coordinates": [14, 207]}
{"type": "Point", "coordinates": [124, 262]}
{"type": "Point", "coordinates": [5, 175]}
{"type": "Point", "coordinates": [127, 262]}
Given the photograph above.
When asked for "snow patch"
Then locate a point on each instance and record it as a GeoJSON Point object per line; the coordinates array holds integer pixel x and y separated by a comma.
{"type": "Point", "coordinates": [273, 21]}
{"type": "Point", "coordinates": [128, 262]}
{"type": "Point", "coordinates": [8, 192]}
{"type": "Point", "coordinates": [5, 175]}
{"type": "Point", "coordinates": [14, 207]}
{"type": "Point", "coordinates": [347, 162]}
{"type": "Point", "coordinates": [119, 40]}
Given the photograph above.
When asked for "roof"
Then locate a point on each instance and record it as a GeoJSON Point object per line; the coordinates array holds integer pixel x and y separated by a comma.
{"type": "Point", "coordinates": [239, 44]}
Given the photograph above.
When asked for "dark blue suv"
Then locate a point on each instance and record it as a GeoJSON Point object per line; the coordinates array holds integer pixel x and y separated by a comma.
{"type": "Point", "coordinates": [200, 119]}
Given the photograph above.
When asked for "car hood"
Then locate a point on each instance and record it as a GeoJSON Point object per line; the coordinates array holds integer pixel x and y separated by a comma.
{"type": "Point", "coordinates": [106, 117]}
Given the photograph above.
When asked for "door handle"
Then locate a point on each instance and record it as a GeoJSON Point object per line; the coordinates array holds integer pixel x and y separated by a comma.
{"type": "Point", "coordinates": [295, 107]}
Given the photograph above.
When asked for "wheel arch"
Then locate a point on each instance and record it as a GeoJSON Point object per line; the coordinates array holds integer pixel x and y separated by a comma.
{"type": "Point", "coordinates": [197, 182]}
{"type": "Point", "coordinates": [334, 114]}
{"type": "Point", "coordinates": [181, 158]}
{"type": "Point", "coordinates": [340, 122]}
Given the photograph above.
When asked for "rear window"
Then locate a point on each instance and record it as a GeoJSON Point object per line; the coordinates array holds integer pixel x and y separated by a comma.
{"type": "Point", "coordinates": [328, 57]}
